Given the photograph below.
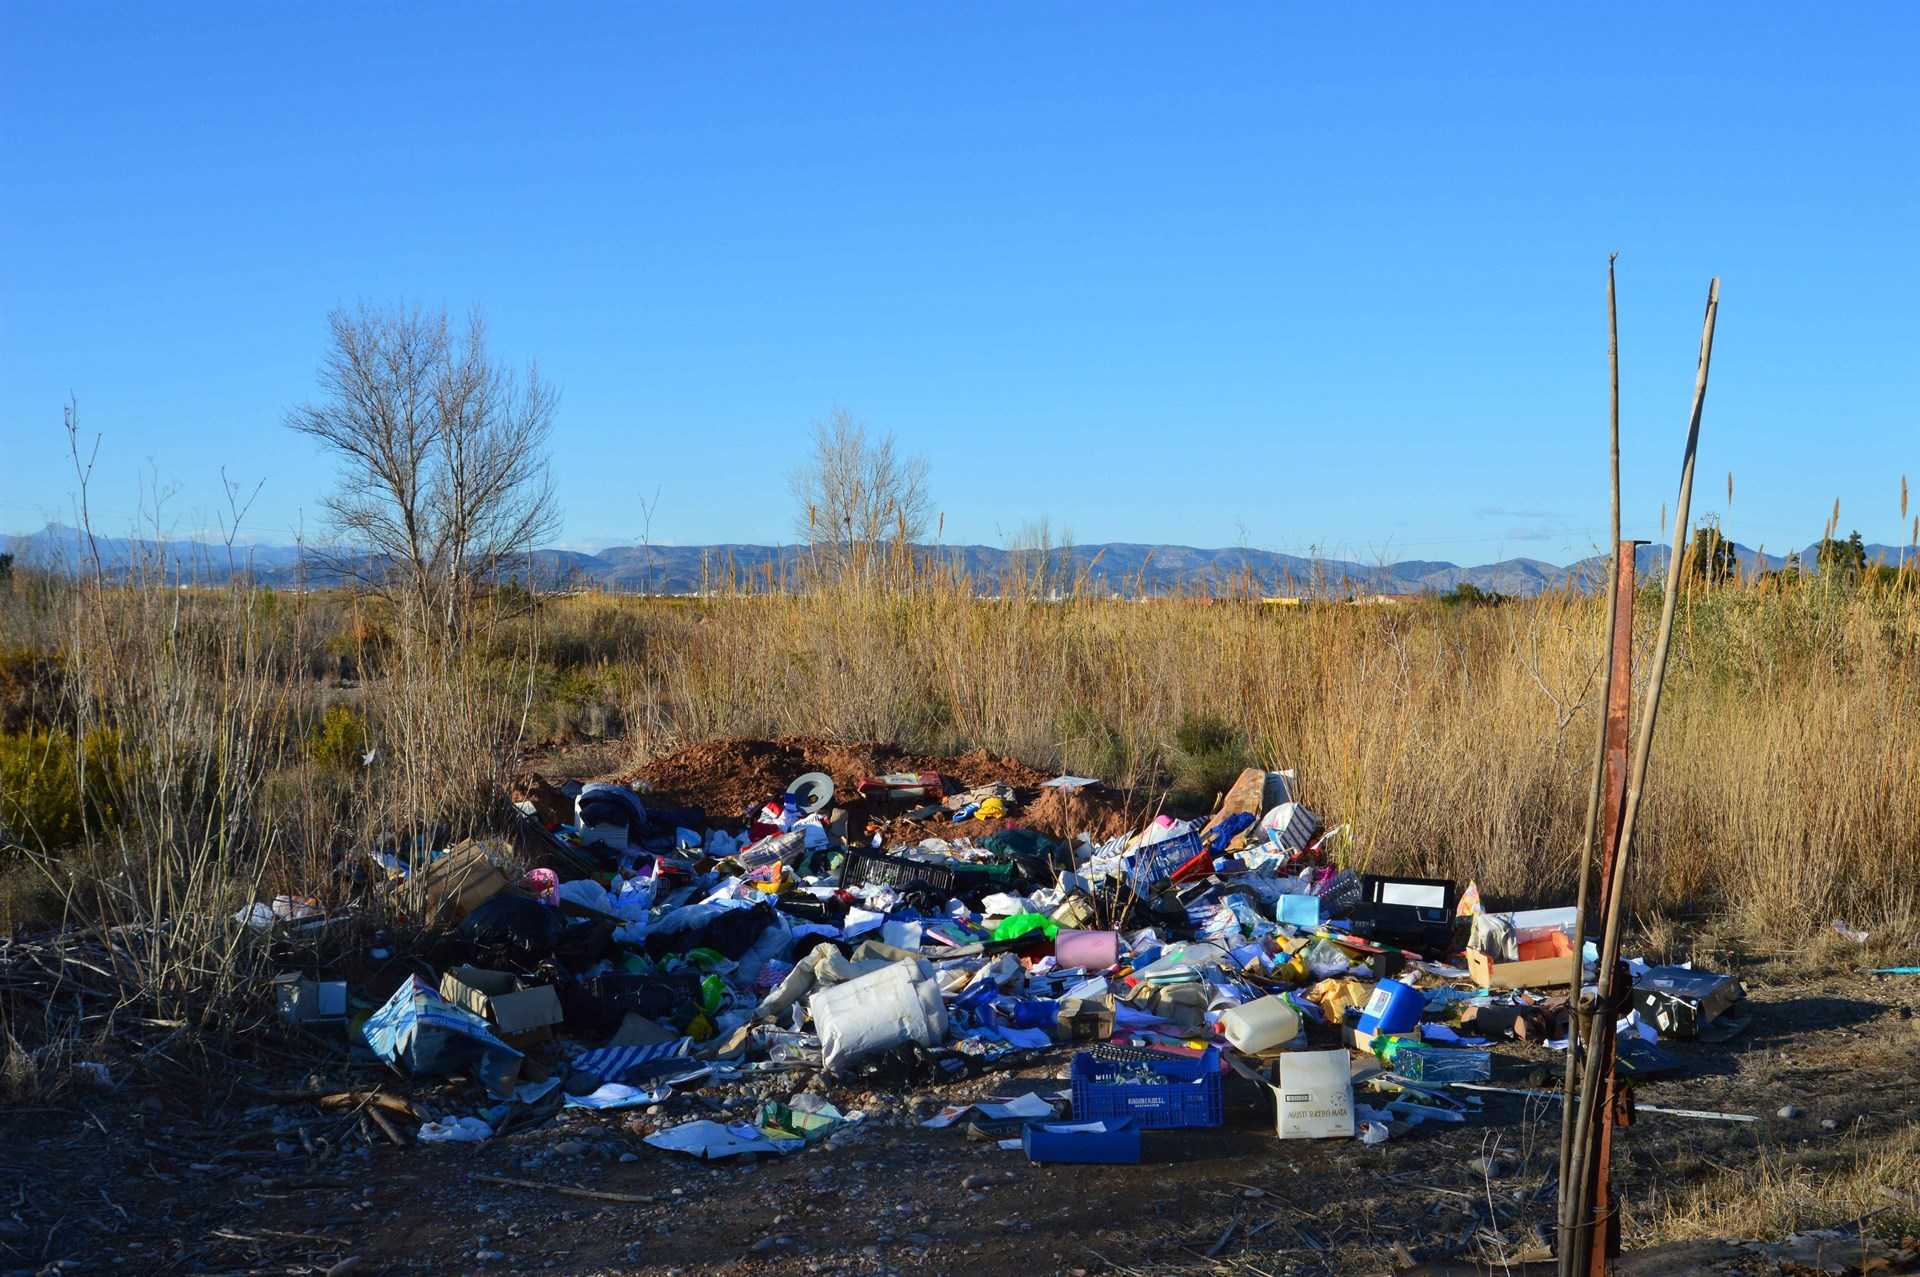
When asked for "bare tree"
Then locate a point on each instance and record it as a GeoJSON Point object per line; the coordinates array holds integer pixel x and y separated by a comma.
{"type": "Point", "coordinates": [444, 475]}
{"type": "Point", "coordinates": [857, 492]}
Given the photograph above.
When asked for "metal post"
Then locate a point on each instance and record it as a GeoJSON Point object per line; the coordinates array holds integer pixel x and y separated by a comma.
{"type": "Point", "coordinates": [1597, 1205]}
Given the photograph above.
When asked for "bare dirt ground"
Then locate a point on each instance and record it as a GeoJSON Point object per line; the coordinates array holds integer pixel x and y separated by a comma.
{"type": "Point", "coordinates": [178, 1167]}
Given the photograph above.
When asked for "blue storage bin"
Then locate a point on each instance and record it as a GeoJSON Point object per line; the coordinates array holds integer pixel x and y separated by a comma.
{"type": "Point", "coordinates": [1189, 1096]}
{"type": "Point", "coordinates": [1110, 1141]}
{"type": "Point", "coordinates": [1154, 865]}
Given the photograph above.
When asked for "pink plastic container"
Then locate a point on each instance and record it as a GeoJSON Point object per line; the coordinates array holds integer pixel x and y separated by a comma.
{"type": "Point", "coordinates": [1094, 950]}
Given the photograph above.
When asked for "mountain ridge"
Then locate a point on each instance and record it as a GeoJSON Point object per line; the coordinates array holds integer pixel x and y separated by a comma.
{"type": "Point", "coordinates": [1120, 566]}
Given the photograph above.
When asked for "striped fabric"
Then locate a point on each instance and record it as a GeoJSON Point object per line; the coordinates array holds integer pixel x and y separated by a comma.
{"type": "Point", "coordinates": [1290, 826]}
{"type": "Point", "coordinates": [618, 1063]}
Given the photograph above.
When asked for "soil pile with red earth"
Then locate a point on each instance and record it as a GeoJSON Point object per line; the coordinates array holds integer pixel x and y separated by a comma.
{"type": "Point", "coordinates": [1064, 813]}
{"type": "Point", "coordinates": [729, 778]}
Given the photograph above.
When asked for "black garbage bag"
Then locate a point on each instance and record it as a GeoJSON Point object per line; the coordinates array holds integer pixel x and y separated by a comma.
{"type": "Point", "coordinates": [519, 927]}
{"type": "Point", "coordinates": [584, 942]}
{"type": "Point", "coordinates": [731, 934]}
{"type": "Point", "coordinates": [1036, 857]}
{"type": "Point", "coordinates": [594, 1007]}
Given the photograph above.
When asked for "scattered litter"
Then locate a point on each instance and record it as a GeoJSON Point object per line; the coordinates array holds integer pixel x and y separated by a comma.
{"type": "Point", "coordinates": [710, 975]}
{"type": "Point", "coordinates": [455, 1130]}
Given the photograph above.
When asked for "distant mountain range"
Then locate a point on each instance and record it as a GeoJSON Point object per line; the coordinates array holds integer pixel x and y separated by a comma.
{"type": "Point", "coordinates": [1122, 567]}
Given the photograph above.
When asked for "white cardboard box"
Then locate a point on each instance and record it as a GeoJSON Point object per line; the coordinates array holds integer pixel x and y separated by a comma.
{"type": "Point", "coordinates": [1315, 1095]}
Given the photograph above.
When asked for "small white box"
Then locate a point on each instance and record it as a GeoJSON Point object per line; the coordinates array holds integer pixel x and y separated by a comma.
{"type": "Point", "coordinates": [304, 1001]}
{"type": "Point", "coordinates": [1315, 1095]}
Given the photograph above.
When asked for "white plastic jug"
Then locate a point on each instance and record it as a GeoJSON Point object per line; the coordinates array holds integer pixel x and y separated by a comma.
{"type": "Point", "coordinates": [1260, 1025]}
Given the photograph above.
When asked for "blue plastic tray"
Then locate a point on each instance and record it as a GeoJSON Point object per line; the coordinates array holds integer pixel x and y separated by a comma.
{"type": "Point", "coordinates": [1115, 1143]}
{"type": "Point", "coordinates": [1189, 1097]}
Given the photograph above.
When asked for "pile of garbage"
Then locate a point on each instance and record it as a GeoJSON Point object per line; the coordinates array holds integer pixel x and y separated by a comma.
{"type": "Point", "coordinates": [622, 949]}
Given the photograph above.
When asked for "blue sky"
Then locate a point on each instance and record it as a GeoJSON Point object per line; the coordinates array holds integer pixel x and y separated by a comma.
{"type": "Point", "coordinates": [1277, 275]}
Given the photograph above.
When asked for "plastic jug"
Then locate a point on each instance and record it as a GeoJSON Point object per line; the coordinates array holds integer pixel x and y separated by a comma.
{"type": "Point", "coordinates": [1393, 1008]}
{"type": "Point", "coordinates": [1260, 1025]}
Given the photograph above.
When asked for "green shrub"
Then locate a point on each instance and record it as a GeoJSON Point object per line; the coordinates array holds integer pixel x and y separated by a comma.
{"type": "Point", "coordinates": [41, 803]}
{"type": "Point", "coordinates": [1467, 594]}
{"type": "Point", "coordinates": [339, 740]}
{"type": "Point", "coordinates": [1208, 755]}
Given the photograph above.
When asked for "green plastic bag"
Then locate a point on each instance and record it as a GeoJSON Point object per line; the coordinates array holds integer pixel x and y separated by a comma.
{"type": "Point", "coordinates": [1023, 923]}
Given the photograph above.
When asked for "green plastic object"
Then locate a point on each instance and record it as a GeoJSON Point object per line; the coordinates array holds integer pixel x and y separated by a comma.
{"type": "Point", "coordinates": [1025, 923]}
{"type": "Point", "coordinates": [713, 994]}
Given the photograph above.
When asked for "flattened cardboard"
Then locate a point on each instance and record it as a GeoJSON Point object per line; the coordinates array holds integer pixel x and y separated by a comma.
{"type": "Point", "coordinates": [521, 1014]}
{"type": "Point", "coordinates": [637, 1030]}
{"type": "Point", "coordinates": [459, 882]}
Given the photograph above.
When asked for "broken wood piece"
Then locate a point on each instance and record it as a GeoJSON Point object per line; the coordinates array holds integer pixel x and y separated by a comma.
{"type": "Point", "coordinates": [566, 1190]}
{"type": "Point", "coordinates": [386, 1125]}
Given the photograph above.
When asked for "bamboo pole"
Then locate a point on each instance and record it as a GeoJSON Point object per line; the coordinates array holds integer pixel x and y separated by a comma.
{"type": "Point", "coordinates": [1565, 1203]}
{"type": "Point", "coordinates": [1636, 784]}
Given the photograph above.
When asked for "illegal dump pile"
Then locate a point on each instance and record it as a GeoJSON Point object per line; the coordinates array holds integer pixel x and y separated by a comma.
{"type": "Point", "coordinates": [627, 952]}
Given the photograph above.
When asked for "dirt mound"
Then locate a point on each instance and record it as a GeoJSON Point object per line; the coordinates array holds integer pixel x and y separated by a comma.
{"type": "Point", "coordinates": [729, 778]}
{"type": "Point", "coordinates": [1066, 812]}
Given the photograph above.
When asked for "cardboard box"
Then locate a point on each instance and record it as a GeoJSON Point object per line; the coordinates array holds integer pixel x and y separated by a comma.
{"type": "Point", "coordinates": [523, 1014]}
{"type": "Point", "coordinates": [303, 1001]}
{"type": "Point", "coordinates": [459, 882]}
{"type": "Point", "coordinates": [1545, 963]}
{"type": "Point", "coordinates": [1315, 1096]}
{"type": "Point", "coordinates": [1362, 1041]}
{"type": "Point", "coordinates": [1680, 1002]}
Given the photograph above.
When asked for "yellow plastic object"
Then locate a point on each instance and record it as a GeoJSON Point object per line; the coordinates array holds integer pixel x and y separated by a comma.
{"type": "Point", "coordinates": [1337, 994]}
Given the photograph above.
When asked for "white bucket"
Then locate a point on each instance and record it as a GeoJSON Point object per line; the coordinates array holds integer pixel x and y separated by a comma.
{"type": "Point", "coordinates": [897, 1004]}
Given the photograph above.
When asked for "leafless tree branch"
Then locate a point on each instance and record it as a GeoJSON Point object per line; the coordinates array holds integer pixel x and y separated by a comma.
{"type": "Point", "coordinates": [444, 476]}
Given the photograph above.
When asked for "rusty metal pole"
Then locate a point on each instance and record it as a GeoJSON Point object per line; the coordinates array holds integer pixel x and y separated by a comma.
{"type": "Point", "coordinates": [1597, 1206]}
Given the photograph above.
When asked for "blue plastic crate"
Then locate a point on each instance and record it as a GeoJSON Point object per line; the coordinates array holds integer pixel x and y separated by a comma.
{"type": "Point", "coordinates": [1189, 1097]}
{"type": "Point", "coordinates": [1154, 865]}
{"type": "Point", "coordinates": [1108, 1141]}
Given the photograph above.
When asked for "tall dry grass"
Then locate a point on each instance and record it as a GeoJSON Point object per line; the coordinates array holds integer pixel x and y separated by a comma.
{"type": "Point", "coordinates": [1786, 775]}
{"type": "Point", "coordinates": [194, 723]}
{"type": "Point", "coordinates": [1785, 790]}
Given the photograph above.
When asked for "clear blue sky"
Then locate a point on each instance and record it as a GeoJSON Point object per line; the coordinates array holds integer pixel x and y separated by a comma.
{"type": "Point", "coordinates": [1281, 275]}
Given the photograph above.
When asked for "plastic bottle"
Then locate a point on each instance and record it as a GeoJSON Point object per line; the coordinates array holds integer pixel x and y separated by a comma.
{"type": "Point", "coordinates": [1260, 1025]}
